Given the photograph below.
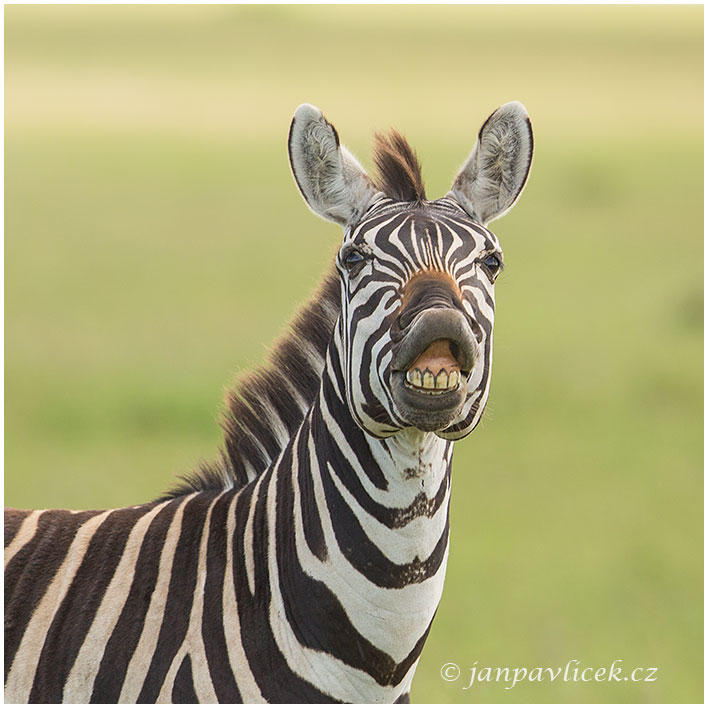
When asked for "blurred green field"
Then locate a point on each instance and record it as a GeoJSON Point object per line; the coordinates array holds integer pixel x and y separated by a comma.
{"type": "Point", "coordinates": [155, 245]}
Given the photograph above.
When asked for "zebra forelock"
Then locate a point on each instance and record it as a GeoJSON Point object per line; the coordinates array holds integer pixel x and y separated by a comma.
{"type": "Point", "coordinates": [399, 168]}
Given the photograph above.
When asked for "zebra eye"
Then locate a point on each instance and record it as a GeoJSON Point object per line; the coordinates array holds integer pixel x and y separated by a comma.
{"type": "Point", "coordinates": [353, 258]}
{"type": "Point", "coordinates": [493, 264]}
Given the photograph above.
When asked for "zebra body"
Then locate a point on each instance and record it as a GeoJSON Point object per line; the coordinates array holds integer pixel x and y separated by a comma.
{"type": "Point", "coordinates": [307, 564]}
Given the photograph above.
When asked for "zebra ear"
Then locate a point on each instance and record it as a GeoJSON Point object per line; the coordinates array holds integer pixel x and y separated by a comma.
{"type": "Point", "coordinates": [334, 185]}
{"type": "Point", "coordinates": [495, 173]}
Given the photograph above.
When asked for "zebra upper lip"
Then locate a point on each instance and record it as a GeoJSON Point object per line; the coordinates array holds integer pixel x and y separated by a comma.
{"type": "Point", "coordinates": [435, 370]}
{"type": "Point", "coordinates": [432, 325]}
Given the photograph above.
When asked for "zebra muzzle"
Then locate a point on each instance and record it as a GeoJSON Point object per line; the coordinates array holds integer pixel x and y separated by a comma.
{"type": "Point", "coordinates": [430, 367]}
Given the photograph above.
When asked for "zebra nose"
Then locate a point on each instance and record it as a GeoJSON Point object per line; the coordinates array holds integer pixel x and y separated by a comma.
{"type": "Point", "coordinates": [426, 291]}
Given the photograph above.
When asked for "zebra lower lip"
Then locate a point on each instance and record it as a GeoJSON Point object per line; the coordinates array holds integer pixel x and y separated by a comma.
{"type": "Point", "coordinates": [428, 409]}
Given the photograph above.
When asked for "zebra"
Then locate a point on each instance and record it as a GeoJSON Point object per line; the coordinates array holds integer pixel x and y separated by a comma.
{"type": "Point", "coordinates": [306, 563]}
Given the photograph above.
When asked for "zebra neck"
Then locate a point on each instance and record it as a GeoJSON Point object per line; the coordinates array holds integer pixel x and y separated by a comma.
{"type": "Point", "coordinates": [361, 528]}
{"type": "Point", "coordinates": [401, 483]}
{"type": "Point", "coordinates": [396, 470]}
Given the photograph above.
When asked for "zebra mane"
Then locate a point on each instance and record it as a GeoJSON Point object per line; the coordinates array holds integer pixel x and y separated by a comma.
{"type": "Point", "coordinates": [266, 406]}
{"type": "Point", "coordinates": [399, 169]}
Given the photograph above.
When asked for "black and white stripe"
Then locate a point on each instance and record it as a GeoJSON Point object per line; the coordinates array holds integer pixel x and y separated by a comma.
{"type": "Point", "coordinates": [307, 563]}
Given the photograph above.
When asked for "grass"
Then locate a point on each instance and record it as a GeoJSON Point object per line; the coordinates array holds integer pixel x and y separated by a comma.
{"type": "Point", "coordinates": [155, 244]}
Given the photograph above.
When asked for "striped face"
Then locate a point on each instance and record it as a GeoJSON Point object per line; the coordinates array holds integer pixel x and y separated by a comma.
{"type": "Point", "coordinates": [415, 333]}
{"type": "Point", "coordinates": [417, 317]}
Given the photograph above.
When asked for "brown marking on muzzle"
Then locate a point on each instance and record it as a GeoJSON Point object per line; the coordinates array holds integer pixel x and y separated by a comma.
{"type": "Point", "coordinates": [423, 282]}
{"type": "Point", "coordinates": [423, 291]}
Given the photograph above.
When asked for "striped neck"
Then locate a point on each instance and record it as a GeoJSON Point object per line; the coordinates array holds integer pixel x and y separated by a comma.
{"type": "Point", "coordinates": [360, 526]}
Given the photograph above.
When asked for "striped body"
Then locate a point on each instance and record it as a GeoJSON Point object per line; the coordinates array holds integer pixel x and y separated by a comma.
{"type": "Point", "coordinates": [305, 564]}
{"type": "Point", "coordinates": [201, 598]}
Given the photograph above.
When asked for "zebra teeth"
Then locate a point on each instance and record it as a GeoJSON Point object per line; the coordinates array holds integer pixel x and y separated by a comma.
{"type": "Point", "coordinates": [436, 370]}
{"type": "Point", "coordinates": [414, 377]}
{"type": "Point", "coordinates": [443, 381]}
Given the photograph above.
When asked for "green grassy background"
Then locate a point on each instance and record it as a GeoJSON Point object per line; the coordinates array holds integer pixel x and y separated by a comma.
{"type": "Point", "coordinates": [155, 245]}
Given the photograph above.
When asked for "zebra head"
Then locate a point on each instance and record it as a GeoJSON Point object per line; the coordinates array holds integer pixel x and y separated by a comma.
{"type": "Point", "coordinates": [415, 333]}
